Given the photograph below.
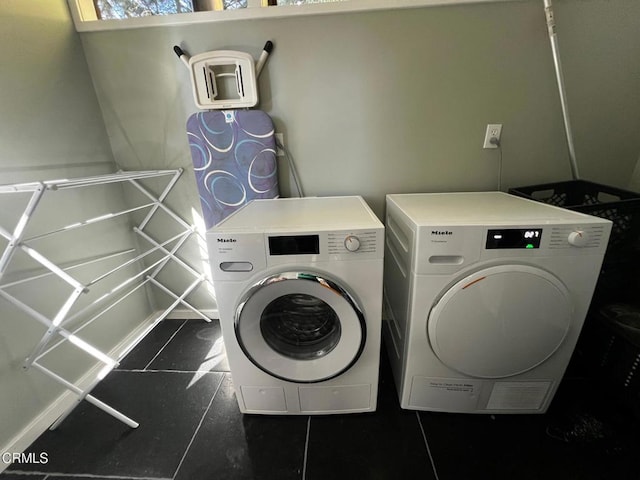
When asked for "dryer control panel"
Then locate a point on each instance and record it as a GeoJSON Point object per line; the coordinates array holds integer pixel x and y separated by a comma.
{"type": "Point", "coordinates": [514, 238]}
{"type": "Point", "coordinates": [448, 248]}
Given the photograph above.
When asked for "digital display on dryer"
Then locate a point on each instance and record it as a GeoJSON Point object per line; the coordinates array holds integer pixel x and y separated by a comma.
{"type": "Point", "coordinates": [294, 245]}
{"type": "Point", "coordinates": [514, 238]}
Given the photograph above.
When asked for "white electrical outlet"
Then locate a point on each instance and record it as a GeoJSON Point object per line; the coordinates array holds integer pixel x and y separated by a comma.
{"type": "Point", "coordinates": [493, 131]}
{"type": "Point", "coordinates": [279, 141]}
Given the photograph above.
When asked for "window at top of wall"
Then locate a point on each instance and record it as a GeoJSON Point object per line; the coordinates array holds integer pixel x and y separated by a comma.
{"type": "Point", "coordinates": [119, 9]}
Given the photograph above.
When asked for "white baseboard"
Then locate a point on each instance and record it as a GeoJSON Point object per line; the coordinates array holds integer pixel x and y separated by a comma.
{"type": "Point", "coordinates": [20, 442]}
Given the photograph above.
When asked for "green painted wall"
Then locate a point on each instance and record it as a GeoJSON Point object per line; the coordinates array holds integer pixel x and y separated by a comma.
{"type": "Point", "coordinates": [396, 101]}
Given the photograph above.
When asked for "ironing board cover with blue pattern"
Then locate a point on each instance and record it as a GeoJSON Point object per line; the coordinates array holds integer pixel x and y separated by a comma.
{"type": "Point", "coordinates": [234, 159]}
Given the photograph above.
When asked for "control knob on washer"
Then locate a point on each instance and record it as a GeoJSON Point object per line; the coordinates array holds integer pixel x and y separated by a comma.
{"type": "Point", "coordinates": [578, 238]}
{"type": "Point", "coordinates": [352, 243]}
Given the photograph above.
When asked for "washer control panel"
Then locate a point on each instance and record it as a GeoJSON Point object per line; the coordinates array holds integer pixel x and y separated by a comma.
{"type": "Point", "coordinates": [241, 254]}
{"type": "Point", "coordinates": [352, 242]}
{"type": "Point", "coordinates": [333, 243]}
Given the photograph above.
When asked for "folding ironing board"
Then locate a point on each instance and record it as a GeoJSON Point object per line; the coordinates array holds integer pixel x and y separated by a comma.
{"type": "Point", "coordinates": [234, 159]}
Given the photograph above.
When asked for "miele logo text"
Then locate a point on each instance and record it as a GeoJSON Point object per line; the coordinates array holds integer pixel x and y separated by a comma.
{"type": "Point", "coordinates": [227, 240]}
{"type": "Point", "coordinates": [441, 232]}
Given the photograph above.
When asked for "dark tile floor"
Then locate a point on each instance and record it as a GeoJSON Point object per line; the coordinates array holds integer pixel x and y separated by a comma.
{"type": "Point", "coordinates": [176, 383]}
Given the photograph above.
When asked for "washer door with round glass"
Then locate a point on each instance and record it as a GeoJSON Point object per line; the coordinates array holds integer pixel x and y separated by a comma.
{"type": "Point", "coordinates": [500, 321]}
{"type": "Point", "coordinates": [300, 327]}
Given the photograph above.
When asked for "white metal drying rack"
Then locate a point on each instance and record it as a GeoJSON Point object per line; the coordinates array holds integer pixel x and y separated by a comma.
{"type": "Point", "coordinates": [57, 327]}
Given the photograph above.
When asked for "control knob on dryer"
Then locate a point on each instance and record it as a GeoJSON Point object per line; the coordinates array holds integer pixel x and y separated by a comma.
{"type": "Point", "coordinates": [352, 243]}
{"type": "Point", "coordinates": [578, 238]}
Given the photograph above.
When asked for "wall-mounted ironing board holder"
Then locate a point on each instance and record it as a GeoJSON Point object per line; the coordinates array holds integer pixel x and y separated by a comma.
{"type": "Point", "coordinates": [224, 79]}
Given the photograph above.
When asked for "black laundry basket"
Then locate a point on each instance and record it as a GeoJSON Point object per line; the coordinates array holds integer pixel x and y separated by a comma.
{"type": "Point", "coordinates": [622, 207]}
{"type": "Point", "coordinates": [603, 352]}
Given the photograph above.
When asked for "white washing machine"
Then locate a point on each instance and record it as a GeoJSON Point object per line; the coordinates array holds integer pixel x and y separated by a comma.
{"type": "Point", "coordinates": [299, 288]}
{"type": "Point", "coordinates": [485, 294]}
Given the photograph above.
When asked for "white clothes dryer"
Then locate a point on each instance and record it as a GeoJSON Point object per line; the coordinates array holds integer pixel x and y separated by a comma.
{"type": "Point", "coordinates": [299, 288]}
{"type": "Point", "coordinates": [485, 295]}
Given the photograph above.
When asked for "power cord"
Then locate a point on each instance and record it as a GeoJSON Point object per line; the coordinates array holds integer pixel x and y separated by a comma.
{"type": "Point", "coordinates": [292, 167]}
{"type": "Point", "coordinates": [496, 142]}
